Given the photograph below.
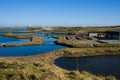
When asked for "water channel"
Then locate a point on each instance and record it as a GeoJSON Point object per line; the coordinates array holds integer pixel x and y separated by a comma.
{"type": "Point", "coordinates": [47, 46]}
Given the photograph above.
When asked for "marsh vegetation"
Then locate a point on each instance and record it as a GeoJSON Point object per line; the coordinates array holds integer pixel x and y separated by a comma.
{"type": "Point", "coordinates": [42, 67]}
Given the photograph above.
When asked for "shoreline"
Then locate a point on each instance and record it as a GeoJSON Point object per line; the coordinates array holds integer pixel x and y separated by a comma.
{"type": "Point", "coordinates": [74, 52]}
{"type": "Point", "coordinates": [42, 67]}
{"type": "Point", "coordinates": [33, 41]}
{"type": "Point", "coordinates": [46, 61]}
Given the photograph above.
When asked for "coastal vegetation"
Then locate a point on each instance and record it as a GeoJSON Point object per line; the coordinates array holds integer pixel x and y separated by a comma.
{"type": "Point", "coordinates": [32, 43]}
{"type": "Point", "coordinates": [39, 71]}
{"type": "Point", "coordinates": [41, 67]}
{"type": "Point", "coordinates": [20, 36]}
{"type": "Point", "coordinates": [76, 30]}
{"type": "Point", "coordinates": [92, 51]}
{"type": "Point", "coordinates": [67, 30]}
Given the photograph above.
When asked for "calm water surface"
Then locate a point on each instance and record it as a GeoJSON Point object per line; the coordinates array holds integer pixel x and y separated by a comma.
{"type": "Point", "coordinates": [48, 46]}
{"type": "Point", "coordinates": [13, 31]}
{"type": "Point", "coordinates": [8, 40]}
{"type": "Point", "coordinates": [105, 65]}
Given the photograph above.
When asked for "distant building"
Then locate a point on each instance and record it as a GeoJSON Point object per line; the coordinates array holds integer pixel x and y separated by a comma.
{"type": "Point", "coordinates": [29, 26]}
{"type": "Point", "coordinates": [93, 34]}
{"type": "Point", "coordinates": [113, 35]}
{"type": "Point", "coordinates": [108, 35]}
{"type": "Point", "coordinates": [99, 35]}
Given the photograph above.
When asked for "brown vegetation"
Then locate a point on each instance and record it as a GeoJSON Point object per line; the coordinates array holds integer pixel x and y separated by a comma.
{"type": "Point", "coordinates": [20, 36]}
{"type": "Point", "coordinates": [41, 67]}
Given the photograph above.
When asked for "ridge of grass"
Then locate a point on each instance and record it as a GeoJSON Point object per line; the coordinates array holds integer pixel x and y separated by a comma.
{"type": "Point", "coordinates": [19, 36]}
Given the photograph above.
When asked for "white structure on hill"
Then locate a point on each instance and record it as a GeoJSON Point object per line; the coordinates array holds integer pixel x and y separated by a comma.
{"type": "Point", "coordinates": [29, 26]}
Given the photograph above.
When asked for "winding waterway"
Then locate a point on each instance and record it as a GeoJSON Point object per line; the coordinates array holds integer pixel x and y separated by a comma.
{"type": "Point", "coordinates": [47, 46]}
{"type": "Point", "coordinates": [103, 65]}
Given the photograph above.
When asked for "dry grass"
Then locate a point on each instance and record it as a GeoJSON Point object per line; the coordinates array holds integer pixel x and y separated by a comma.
{"type": "Point", "coordinates": [8, 34]}
{"type": "Point", "coordinates": [20, 36]}
{"type": "Point", "coordinates": [39, 71]}
{"type": "Point", "coordinates": [91, 51]}
{"type": "Point", "coordinates": [41, 67]}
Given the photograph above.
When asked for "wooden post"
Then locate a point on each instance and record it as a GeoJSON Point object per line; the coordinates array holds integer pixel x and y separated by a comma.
{"type": "Point", "coordinates": [119, 37]}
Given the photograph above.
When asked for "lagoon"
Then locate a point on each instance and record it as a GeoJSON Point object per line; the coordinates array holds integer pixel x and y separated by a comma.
{"type": "Point", "coordinates": [100, 65]}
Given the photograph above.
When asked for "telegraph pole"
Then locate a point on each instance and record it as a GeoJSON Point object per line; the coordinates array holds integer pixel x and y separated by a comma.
{"type": "Point", "coordinates": [119, 38]}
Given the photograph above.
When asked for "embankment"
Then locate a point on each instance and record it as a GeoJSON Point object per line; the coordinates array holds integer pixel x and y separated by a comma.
{"type": "Point", "coordinates": [41, 67]}
{"type": "Point", "coordinates": [72, 44]}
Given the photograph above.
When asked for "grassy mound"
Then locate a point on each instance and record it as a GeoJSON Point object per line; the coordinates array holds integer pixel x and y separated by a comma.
{"type": "Point", "coordinates": [41, 67]}
{"type": "Point", "coordinates": [17, 70]}
{"type": "Point", "coordinates": [20, 36]}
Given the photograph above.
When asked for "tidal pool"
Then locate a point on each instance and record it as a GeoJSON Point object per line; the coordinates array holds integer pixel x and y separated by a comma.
{"type": "Point", "coordinates": [103, 65]}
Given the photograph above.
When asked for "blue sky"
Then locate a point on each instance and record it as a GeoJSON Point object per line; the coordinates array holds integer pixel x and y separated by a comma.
{"type": "Point", "coordinates": [59, 12]}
